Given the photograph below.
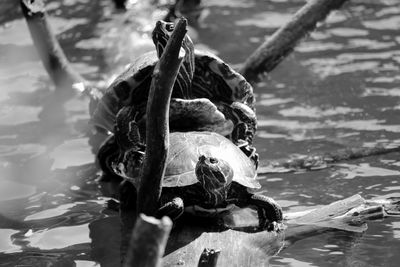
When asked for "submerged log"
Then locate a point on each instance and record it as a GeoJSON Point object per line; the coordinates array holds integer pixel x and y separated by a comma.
{"type": "Point", "coordinates": [47, 46]}
{"type": "Point", "coordinates": [148, 241]}
{"type": "Point", "coordinates": [317, 162]}
{"type": "Point", "coordinates": [157, 124]}
{"type": "Point", "coordinates": [283, 41]}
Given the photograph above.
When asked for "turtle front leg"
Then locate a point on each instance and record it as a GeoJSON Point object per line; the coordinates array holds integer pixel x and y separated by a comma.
{"type": "Point", "coordinates": [107, 154]}
{"type": "Point", "coordinates": [172, 208]}
{"type": "Point", "coordinates": [269, 212]}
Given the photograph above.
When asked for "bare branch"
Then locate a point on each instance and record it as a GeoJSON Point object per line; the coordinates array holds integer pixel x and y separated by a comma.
{"type": "Point", "coordinates": [157, 125]}
{"type": "Point", "coordinates": [283, 41]}
{"type": "Point", "coordinates": [50, 52]}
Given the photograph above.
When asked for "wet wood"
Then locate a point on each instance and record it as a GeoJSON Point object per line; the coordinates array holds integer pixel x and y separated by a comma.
{"type": "Point", "coordinates": [157, 125]}
{"type": "Point", "coordinates": [350, 214]}
{"type": "Point", "coordinates": [390, 203]}
{"type": "Point", "coordinates": [148, 241]}
{"type": "Point", "coordinates": [283, 41]}
{"type": "Point", "coordinates": [305, 224]}
{"type": "Point", "coordinates": [47, 46]}
{"type": "Point", "coordinates": [317, 162]}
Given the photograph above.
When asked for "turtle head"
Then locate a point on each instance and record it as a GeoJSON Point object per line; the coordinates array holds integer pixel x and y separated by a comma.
{"type": "Point", "coordinates": [213, 174]}
{"type": "Point", "coordinates": [161, 34]}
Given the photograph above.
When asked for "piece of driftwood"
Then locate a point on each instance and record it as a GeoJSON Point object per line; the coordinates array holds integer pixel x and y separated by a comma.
{"type": "Point", "coordinates": [148, 241]}
{"type": "Point", "coordinates": [317, 162]}
{"type": "Point", "coordinates": [157, 124]}
{"type": "Point", "coordinates": [209, 258]}
{"type": "Point", "coordinates": [282, 42]}
{"type": "Point", "coordinates": [240, 248]}
{"type": "Point", "coordinates": [47, 46]}
{"type": "Point", "coordinates": [350, 214]}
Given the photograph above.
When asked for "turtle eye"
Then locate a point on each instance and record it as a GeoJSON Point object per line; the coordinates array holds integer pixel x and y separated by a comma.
{"type": "Point", "coordinates": [213, 161]}
{"type": "Point", "coordinates": [169, 27]}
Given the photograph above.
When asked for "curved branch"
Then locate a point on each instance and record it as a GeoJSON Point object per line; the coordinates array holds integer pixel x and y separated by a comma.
{"type": "Point", "coordinates": [283, 41]}
{"type": "Point", "coordinates": [157, 125]}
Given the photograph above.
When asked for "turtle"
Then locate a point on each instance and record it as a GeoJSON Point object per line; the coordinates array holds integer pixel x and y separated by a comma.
{"type": "Point", "coordinates": [202, 75]}
{"type": "Point", "coordinates": [206, 174]}
{"type": "Point", "coordinates": [132, 86]}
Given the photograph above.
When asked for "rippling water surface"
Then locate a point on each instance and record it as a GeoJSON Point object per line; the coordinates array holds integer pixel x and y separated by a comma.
{"type": "Point", "coordinates": [340, 88]}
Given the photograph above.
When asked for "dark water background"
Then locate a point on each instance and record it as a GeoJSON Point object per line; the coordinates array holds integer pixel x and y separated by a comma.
{"type": "Point", "coordinates": [340, 88]}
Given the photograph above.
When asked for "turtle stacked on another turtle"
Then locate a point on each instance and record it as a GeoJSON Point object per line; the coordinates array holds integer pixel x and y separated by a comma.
{"type": "Point", "coordinates": [206, 175]}
{"type": "Point", "coordinates": [208, 95]}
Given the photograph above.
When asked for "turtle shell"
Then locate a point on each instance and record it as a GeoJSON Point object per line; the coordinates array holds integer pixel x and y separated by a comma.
{"type": "Point", "coordinates": [213, 79]}
{"type": "Point", "coordinates": [186, 148]}
{"type": "Point", "coordinates": [130, 87]}
{"type": "Point", "coordinates": [217, 81]}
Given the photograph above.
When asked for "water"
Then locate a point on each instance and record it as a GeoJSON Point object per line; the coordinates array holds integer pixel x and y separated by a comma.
{"type": "Point", "coordinates": [340, 88]}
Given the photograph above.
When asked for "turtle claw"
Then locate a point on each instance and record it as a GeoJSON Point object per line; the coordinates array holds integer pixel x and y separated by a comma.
{"type": "Point", "coordinates": [172, 209]}
{"type": "Point", "coordinates": [275, 227]}
{"type": "Point", "coordinates": [269, 212]}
